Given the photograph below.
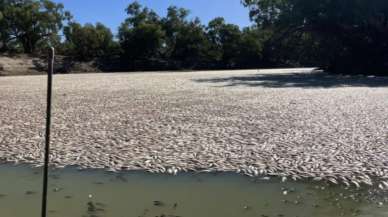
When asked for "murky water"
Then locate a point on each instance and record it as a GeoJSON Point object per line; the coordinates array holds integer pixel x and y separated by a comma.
{"type": "Point", "coordinates": [76, 193]}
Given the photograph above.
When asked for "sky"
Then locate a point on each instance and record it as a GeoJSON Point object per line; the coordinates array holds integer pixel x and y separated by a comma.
{"type": "Point", "coordinates": [111, 12]}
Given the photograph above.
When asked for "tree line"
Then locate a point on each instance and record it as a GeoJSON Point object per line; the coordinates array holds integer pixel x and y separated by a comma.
{"type": "Point", "coordinates": [343, 36]}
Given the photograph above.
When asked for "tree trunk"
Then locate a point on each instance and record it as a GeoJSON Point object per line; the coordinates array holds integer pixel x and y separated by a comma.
{"type": "Point", "coordinates": [28, 45]}
{"type": "Point", "coordinates": [3, 47]}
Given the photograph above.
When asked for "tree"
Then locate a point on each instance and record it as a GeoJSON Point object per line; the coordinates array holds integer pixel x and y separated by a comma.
{"type": "Point", "coordinates": [187, 45]}
{"type": "Point", "coordinates": [251, 48]}
{"type": "Point", "coordinates": [347, 36]}
{"type": "Point", "coordinates": [88, 41]}
{"type": "Point", "coordinates": [141, 37]}
{"type": "Point", "coordinates": [4, 35]}
{"type": "Point", "coordinates": [151, 42]}
{"type": "Point", "coordinates": [226, 40]}
{"type": "Point", "coordinates": [173, 24]}
{"type": "Point", "coordinates": [27, 22]}
{"type": "Point", "coordinates": [191, 46]}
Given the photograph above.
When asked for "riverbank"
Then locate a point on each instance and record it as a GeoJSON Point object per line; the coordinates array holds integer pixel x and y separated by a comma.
{"type": "Point", "coordinates": [286, 123]}
{"type": "Point", "coordinates": [19, 65]}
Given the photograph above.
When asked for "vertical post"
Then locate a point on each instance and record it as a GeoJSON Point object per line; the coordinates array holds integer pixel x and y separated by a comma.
{"type": "Point", "coordinates": [48, 126]}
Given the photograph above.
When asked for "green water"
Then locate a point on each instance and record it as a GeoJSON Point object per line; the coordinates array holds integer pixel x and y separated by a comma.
{"type": "Point", "coordinates": [74, 193]}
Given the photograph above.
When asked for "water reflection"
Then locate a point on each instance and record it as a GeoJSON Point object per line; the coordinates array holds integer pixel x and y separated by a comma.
{"type": "Point", "coordinates": [102, 194]}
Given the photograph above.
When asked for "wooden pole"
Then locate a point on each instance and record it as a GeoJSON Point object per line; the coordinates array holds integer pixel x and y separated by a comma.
{"type": "Point", "coordinates": [50, 73]}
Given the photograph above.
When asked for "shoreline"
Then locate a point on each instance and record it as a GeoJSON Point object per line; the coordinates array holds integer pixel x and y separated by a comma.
{"type": "Point", "coordinates": [372, 183]}
{"type": "Point", "coordinates": [264, 177]}
{"type": "Point", "coordinates": [155, 191]}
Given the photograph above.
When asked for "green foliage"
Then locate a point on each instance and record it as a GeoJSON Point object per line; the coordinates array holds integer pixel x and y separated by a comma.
{"type": "Point", "coordinates": [177, 42]}
{"type": "Point", "coordinates": [339, 35]}
{"type": "Point", "coordinates": [88, 41]}
{"type": "Point", "coordinates": [345, 36]}
{"type": "Point", "coordinates": [151, 42]}
{"type": "Point", "coordinates": [234, 48]}
{"type": "Point", "coordinates": [226, 39]}
{"type": "Point", "coordinates": [26, 23]}
{"type": "Point", "coordinates": [251, 48]}
{"type": "Point", "coordinates": [186, 44]}
{"type": "Point", "coordinates": [191, 46]}
{"type": "Point", "coordinates": [141, 37]}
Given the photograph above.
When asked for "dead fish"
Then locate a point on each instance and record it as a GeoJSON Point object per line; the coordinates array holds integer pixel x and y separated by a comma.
{"type": "Point", "coordinates": [30, 193]}
{"type": "Point", "coordinates": [91, 207]}
{"type": "Point", "coordinates": [158, 203]}
{"type": "Point", "coordinates": [247, 207]}
{"type": "Point", "coordinates": [57, 189]}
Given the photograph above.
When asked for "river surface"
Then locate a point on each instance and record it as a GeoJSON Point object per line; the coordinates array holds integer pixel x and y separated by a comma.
{"type": "Point", "coordinates": [95, 193]}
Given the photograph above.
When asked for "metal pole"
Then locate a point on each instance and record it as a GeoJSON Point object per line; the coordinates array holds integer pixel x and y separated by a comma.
{"type": "Point", "coordinates": [48, 125]}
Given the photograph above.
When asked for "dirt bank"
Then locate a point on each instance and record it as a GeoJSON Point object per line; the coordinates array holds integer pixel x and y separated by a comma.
{"type": "Point", "coordinates": [28, 65]}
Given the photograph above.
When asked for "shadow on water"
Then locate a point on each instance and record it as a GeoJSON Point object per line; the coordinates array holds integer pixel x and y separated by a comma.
{"type": "Point", "coordinates": [315, 79]}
